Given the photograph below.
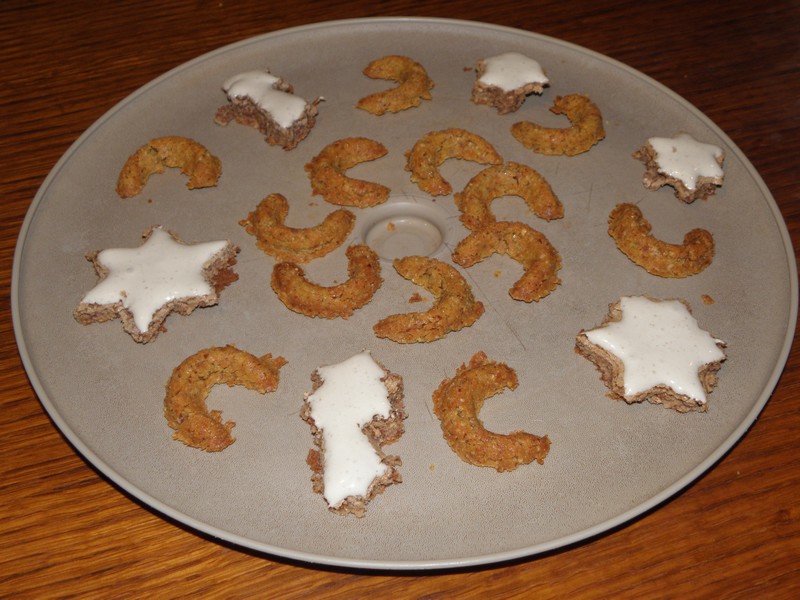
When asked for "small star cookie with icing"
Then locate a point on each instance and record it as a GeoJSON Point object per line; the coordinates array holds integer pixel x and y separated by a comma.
{"type": "Point", "coordinates": [267, 103]}
{"type": "Point", "coordinates": [142, 285]}
{"type": "Point", "coordinates": [648, 349]}
{"type": "Point", "coordinates": [692, 168]}
{"type": "Point", "coordinates": [504, 81]}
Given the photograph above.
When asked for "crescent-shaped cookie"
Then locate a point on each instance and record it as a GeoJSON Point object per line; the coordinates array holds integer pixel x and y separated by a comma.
{"type": "Point", "coordinates": [327, 169]}
{"type": "Point", "coordinates": [508, 179]}
{"type": "Point", "coordinates": [529, 247]}
{"type": "Point", "coordinates": [586, 128]}
{"type": "Point", "coordinates": [413, 87]}
{"type": "Point", "coordinates": [290, 244]}
{"type": "Point", "coordinates": [631, 232]}
{"type": "Point", "coordinates": [191, 382]}
{"type": "Point", "coordinates": [191, 157]}
{"type": "Point", "coordinates": [435, 147]}
{"type": "Point", "coordinates": [305, 297]}
{"type": "Point", "coordinates": [457, 403]}
{"type": "Point", "coordinates": [453, 309]}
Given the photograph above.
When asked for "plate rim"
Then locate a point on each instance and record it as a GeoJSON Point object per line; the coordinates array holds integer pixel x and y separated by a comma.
{"type": "Point", "coordinates": [271, 551]}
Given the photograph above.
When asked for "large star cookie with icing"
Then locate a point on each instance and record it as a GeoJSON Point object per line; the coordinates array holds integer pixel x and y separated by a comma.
{"type": "Point", "coordinates": [142, 285]}
{"type": "Point", "coordinates": [654, 350]}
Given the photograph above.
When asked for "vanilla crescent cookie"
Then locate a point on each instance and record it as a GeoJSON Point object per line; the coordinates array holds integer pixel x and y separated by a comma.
{"type": "Point", "coordinates": [326, 172]}
{"type": "Point", "coordinates": [454, 305]}
{"type": "Point", "coordinates": [507, 179]}
{"type": "Point", "coordinates": [631, 232]}
{"type": "Point", "coordinates": [585, 130]}
{"type": "Point", "coordinates": [191, 157]}
{"type": "Point", "coordinates": [413, 87]}
{"type": "Point", "coordinates": [142, 285]}
{"type": "Point", "coordinates": [654, 350]}
{"type": "Point", "coordinates": [457, 403]}
{"type": "Point", "coordinates": [189, 385]}
{"type": "Point", "coordinates": [435, 147]}
{"type": "Point", "coordinates": [537, 256]}
{"type": "Point", "coordinates": [302, 296]}
{"type": "Point", "coordinates": [293, 244]}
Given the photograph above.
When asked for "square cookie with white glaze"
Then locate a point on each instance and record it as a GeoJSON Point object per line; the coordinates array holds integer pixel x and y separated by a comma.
{"type": "Point", "coordinates": [654, 350]}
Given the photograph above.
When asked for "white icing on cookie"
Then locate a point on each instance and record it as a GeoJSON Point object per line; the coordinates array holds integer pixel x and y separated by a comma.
{"type": "Point", "coordinates": [686, 159]}
{"type": "Point", "coordinates": [259, 86]}
{"type": "Point", "coordinates": [351, 395]}
{"type": "Point", "coordinates": [512, 70]}
{"type": "Point", "coordinates": [658, 343]}
{"type": "Point", "coordinates": [146, 278]}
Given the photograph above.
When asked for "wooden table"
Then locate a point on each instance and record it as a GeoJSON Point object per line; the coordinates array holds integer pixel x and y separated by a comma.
{"type": "Point", "coordinates": [67, 532]}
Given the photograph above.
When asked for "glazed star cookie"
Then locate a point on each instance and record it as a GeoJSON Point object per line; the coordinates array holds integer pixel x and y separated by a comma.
{"type": "Point", "coordinates": [354, 409]}
{"type": "Point", "coordinates": [693, 168]}
{"type": "Point", "coordinates": [654, 350]}
{"type": "Point", "coordinates": [504, 81]}
{"type": "Point", "coordinates": [267, 103]}
{"type": "Point", "coordinates": [142, 285]}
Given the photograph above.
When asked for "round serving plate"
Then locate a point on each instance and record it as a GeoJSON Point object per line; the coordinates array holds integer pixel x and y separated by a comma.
{"type": "Point", "coordinates": [609, 461]}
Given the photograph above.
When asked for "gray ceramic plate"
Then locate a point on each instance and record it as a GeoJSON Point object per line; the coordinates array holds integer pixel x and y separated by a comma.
{"type": "Point", "coordinates": [609, 461]}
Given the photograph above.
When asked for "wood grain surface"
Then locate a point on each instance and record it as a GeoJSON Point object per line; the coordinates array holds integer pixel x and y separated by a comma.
{"type": "Point", "coordinates": [68, 532]}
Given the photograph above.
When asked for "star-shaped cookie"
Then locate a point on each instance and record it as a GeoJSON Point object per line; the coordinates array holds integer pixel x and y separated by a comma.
{"type": "Point", "coordinates": [143, 285]}
{"type": "Point", "coordinates": [692, 168]}
{"type": "Point", "coordinates": [654, 350]}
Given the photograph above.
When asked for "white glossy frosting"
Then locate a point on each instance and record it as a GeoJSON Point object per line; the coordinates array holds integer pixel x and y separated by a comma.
{"type": "Point", "coordinates": [147, 277]}
{"type": "Point", "coordinates": [351, 395]}
{"type": "Point", "coordinates": [659, 343]}
{"type": "Point", "coordinates": [686, 159]}
{"type": "Point", "coordinates": [259, 86]}
{"type": "Point", "coordinates": [512, 70]}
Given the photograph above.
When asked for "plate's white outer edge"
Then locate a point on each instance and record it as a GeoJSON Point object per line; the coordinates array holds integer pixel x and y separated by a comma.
{"type": "Point", "coordinates": [171, 512]}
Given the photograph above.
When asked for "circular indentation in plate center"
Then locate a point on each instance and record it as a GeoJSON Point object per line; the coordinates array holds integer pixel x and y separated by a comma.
{"type": "Point", "coordinates": [395, 237]}
{"type": "Point", "coordinates": [404, 229]}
